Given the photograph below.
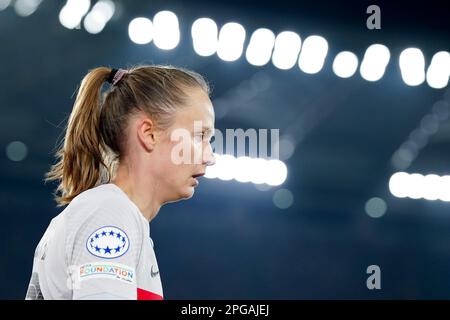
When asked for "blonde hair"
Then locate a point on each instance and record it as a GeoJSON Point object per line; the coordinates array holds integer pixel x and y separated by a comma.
{"type": "Point", "coordinates": [94, 137]}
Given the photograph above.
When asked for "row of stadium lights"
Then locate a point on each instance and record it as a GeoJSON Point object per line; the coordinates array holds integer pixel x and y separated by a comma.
{"type": "Point", "coordinates": [263, 173]}
{"type": "Point", "coordinates": [418, 186]}
{"type": "Point", "coordinates": [430, 187]}
{"type": "Point", "coordinates": [285, 50]}
{"type": "Point", "coordinates": [245, 169]}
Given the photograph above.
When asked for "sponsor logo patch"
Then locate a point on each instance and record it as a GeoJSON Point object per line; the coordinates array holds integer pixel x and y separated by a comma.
{"type": "Point", "coordinates": [108, 242]}
{"type": "Point", "coordinates": [107, 270]}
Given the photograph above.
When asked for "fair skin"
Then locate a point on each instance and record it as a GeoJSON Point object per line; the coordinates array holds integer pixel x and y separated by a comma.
{"type": "Point", "coordinates": [148, 173]}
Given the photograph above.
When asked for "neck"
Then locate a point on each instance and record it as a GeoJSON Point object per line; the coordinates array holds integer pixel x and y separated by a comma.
{"type": "Point", "coordinates": [140, 191]}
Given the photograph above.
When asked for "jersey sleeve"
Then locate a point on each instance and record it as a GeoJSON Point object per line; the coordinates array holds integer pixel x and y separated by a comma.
{"type": "Point", "coordinates": [104, 255]}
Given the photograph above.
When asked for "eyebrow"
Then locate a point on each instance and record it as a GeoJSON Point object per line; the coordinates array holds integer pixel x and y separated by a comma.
{"type": "Point", "coordinates": [207, 129]}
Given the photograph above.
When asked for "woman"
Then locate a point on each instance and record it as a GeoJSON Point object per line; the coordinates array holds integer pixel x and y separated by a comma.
{"type": "Point", "coordinates": [119, 163]}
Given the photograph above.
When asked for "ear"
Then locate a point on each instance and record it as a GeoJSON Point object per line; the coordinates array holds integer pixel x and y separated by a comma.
{"type": "Point", "coordinates": [146, 133]}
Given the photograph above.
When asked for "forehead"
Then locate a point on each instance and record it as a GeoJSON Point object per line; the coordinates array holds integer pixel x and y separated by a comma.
{"type": "Point", "coordinates": [198, 108]}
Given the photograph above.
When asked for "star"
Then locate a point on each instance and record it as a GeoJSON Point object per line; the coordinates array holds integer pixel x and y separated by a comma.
{"type": "Point", "coordinates": [119, 235]}
{"type": "Point", "coordinates": [103, 233]}
{"type": "Point", "coordinates": [117, 249]}
{"type": "Point", "coordinates": [96, 236]}
{"type": "Point", "coordinates": [97, 249]}
{"type": "Point", "coordinates": [111, 233]}
{"type": "Point", "coordinates": [107, 250]}
{"type": "Point", "coordinates": [123, 239]}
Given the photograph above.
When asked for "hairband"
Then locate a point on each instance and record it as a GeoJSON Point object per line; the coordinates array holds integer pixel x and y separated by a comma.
{"type": "Point", "coordinates": [115, 76]}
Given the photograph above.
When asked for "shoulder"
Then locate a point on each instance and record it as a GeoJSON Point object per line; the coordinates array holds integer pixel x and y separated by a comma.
{"type": "Point", "coordinates": [104, 193]}
{"type": "Point", "coordinates": [102, 199]}
{"type": "Point", "coordinates": [104, 205]}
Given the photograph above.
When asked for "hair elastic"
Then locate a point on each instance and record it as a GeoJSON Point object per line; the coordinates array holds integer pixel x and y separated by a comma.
{"type": "Point", "coordinates": [115, 76]}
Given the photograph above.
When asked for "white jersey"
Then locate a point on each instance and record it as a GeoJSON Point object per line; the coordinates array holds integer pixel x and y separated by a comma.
{"type": "Point", "coordinates": [98, 247]}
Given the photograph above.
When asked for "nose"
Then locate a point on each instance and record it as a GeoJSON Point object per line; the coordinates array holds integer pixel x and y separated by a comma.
{"type": "Point", "coordinates": [208, 156]}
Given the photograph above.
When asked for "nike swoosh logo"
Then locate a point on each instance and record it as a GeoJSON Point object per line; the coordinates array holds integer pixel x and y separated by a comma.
{"type": "Point", "coordinates": [153, 274]}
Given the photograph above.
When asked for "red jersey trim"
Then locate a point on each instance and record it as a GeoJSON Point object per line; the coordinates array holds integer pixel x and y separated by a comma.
{"type": "Point", "coordinates": [147, 295]}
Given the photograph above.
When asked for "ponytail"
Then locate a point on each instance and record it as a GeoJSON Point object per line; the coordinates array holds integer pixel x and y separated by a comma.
{"type": "Point", "coordinates": [81, 159]}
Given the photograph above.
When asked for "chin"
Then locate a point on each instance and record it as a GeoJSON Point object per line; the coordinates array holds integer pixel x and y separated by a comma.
{"type": "Point", "coordinates": [186, 193]}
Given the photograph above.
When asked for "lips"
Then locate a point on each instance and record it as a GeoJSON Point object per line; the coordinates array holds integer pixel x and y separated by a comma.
{"type": "Point", "coordinates": [198, 175]}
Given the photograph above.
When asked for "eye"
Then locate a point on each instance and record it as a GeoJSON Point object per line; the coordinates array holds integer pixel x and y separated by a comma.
{"type": "Point", "coordinates": [199, 136]}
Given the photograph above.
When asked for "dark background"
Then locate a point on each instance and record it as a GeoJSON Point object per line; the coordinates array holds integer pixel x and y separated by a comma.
{"type": "Point", "coordinates": [230, 240]}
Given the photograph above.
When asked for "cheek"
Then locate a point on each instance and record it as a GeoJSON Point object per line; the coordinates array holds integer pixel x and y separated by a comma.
{"type": "Point", "coordinates": [175, 173]}
{"type": "Point", "coordinates": [197, 151]}
{"type": "Point", "coordinates": [172, 176]}
{"type": "Point", "coordinates": [190, 151]}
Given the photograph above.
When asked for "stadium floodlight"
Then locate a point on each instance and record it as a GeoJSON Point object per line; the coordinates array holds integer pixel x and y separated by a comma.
{"type": "Point", "coordinates": [259, 50]}
{"type": "Point", "coordinates": [345, 64]}
{"type": "Point", "coordinates": [166, 30]}
{"type": "Point", "coordinates": [438, 71]}
{"type": "Point", "coordinates": [412, 66]}
{"type": "Point", "coordinates": [204, 34]}
{"type": "Point", "coordinates": [140, 30]}
{"type": "Point", "coordinates": [374, 62]}
{"type": "Point", "coordinates": [313, 54]}
{"type": "Point", "coordinates": [231, 41]}
{"type": "Point", "coordinates": [286, 49]}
